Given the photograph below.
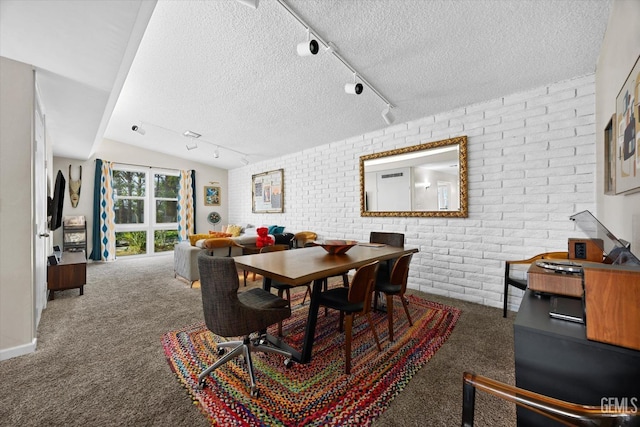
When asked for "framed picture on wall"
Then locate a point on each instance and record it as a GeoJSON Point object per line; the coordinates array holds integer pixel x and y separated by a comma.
{"type": "Point", "coordinates": [211, 196]}
{"type": "Point", "coordinates": [610, 157]}
{"type": "Point", "coordinates": [627, 133]}
{"type": "Point", "coordinates": [267, 192]}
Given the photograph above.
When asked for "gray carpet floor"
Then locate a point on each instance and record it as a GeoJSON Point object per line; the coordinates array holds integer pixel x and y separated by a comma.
{"type": "Point", "coordinates": [99, 360]}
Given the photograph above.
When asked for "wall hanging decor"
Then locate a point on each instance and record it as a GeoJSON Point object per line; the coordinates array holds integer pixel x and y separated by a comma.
{"type": "Point", "coordinates": [211, 196]}
{"type": "Point", "coordinates": [214, 218]}
{"type": "Point", "coordinates": [74, 188]}
{"type": "Point", "coordinates": [267, 191]}
{"type": "Point", "coordinates": [627, 132]}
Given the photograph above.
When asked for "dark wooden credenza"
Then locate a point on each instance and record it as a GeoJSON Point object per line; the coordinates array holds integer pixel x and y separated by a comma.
{"type": "Point", "coordinates": [553, 357]}
{"type": "Point", "coordinates": [69, 273]}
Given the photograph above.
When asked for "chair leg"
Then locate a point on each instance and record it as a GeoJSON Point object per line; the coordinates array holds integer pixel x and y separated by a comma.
{"type": "Point", "coordinates": [307, 292]}
{"type": "Point", "coordinates": [405, 305]}
{"type": "Point", "coordinates": [238, 349]}
{"type": "Point", "coordinates": [347, 344]}
{"type": "Point", "coordinates": [506, 298]}
{"type": "Point", "coordinates": [390, 315]}
{"type": "Point", "coordinates": [249, 362]}
{"type": "Point", "coordinates": [280, 291]}
{"type": "Point", "coordinates": [375, 300]}
{"type": "Point", "coordinates": [345, 280]}
{"type": "Point", "coordinates": [373, 329]}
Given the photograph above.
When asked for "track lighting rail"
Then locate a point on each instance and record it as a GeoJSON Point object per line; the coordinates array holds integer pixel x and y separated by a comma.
{"type": "Point", "coordinates": [335, 53]}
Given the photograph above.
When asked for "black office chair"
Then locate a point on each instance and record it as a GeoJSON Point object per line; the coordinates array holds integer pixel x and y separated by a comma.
{"type": "Point", "coordinates": [563, 412]}
{"type": "Point", "coordinates": [396, 285]}
{"type": "Point", "coordinates": [353, 300]}
{"type": "Point", "coordinates": [229, 314]}
{"type": "Point", "coordinates": [522, 283]}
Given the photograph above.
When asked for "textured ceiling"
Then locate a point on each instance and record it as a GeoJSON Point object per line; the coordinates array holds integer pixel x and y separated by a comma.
{"type": "Point", "coordinates": [230, 72]}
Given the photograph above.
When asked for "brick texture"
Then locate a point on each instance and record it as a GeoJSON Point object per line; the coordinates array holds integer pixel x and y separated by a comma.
{"type": "Point", "coordinates": [531, 163]}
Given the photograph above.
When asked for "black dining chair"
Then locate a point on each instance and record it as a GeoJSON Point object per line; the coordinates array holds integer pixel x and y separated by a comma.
{"type": "Point", "coordinates": [391, 239]}
{"type": "Point", "coordinates": [356, 299]}
{"type": "Point", "coordinates": [396, 285]}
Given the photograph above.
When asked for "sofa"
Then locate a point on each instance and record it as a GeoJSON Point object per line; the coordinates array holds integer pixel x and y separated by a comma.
{"type": "Point", "coordinates": [185, 253]}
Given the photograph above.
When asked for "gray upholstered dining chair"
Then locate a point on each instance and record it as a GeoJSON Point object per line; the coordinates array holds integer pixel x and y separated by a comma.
{"type": "Point", "coordinates": [229, 314]}
{"type": "Point", "coordinates": [396, 285]}
{"type": "Point", "coordinates": [356, 299]}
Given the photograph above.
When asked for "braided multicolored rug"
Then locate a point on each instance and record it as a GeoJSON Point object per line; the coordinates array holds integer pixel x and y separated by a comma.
{"type": "Point", "coordinates": [318, 393]}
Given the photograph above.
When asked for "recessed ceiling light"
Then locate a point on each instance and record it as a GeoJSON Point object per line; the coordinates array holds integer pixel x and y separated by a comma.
{"type": "Point", "coordinates": [191, 134]}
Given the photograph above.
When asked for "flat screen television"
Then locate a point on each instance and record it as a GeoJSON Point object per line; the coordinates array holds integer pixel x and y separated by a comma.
{"type": "Point", "coordinates": [55, 203]}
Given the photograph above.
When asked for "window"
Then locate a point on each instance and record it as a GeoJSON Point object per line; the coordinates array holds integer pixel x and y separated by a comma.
{"type": "Point", "coordinates": [146, 210]}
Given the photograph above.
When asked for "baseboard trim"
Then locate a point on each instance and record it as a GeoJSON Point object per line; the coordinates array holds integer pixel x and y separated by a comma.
{"type": "Point", "coordinates": [21, 350]}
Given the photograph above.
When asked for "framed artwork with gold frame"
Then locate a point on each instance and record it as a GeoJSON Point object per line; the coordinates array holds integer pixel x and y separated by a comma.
{"type": "Point", "coordinates": [211, 196]}
{"type": "Point", "coordinates": [267, 192]}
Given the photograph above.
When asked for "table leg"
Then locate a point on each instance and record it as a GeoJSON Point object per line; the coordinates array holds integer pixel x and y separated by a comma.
{"type": "Point", "coordinates": [266, 284]}
{"type": "Point", "coordinates": [310, 328]}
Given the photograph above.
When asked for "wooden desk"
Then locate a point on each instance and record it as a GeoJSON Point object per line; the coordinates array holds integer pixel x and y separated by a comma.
{"type": "Point", "coordinates": [69, 273]}
{"type": "Point", "coordinates": [553, 357]}
{"type": "Point", "coordinates": [301, 266]}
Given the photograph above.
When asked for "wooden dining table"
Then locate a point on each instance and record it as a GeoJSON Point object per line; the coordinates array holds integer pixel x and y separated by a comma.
{"type": "Point", "coordinates": [298, 267]}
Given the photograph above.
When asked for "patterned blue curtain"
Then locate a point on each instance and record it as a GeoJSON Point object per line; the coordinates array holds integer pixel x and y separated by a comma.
{"type": "Point", "coordinates": [103, 233]}
{"type": "Point", "coordinates": [186, 205]}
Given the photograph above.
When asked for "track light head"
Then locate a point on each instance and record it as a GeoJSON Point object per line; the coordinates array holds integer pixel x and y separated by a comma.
{"type": "Point", "coordinates": [310, 47]}
{"type": "Point", "coordinates": [353, 88]}
{"type": "Point", "coordinates": [216, 153]}
{"type": "Point", "coordinates": [387, 115]}
{"type": "Point", "coordinates": [138, 129]}
{"type": "Point", "coordinates": [244, 161]}
{"type": "Point", "coordinates": [191, 146]}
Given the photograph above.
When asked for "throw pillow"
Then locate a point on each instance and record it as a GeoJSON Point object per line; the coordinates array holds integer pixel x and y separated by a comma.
{"type": "Point", "coordinates": [213, 234]}
{"type": "Point", "coordinates": [193, 238]}
{"type": "Point", "coordinates": [272, 229]}
{"type": "Point", "coordinates": [234, 230]}
{"type": "Point", "coordinates": [278, 230]}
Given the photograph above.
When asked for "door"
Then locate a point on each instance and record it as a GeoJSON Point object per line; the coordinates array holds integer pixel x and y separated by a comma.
{"type": "Point", "coordinates": [41, 240]}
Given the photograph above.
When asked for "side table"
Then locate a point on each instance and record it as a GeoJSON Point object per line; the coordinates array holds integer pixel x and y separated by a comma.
{"type": "Point", "coordinates": [69, 273]}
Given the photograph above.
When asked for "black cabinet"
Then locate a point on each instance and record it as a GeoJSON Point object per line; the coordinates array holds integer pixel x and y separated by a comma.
{"type": "Point", "coordinates": [553, 357]}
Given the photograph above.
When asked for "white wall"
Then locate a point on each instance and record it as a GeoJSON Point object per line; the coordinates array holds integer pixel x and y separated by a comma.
{"type": "Point", "coordinates": [620, 50]}
{"type": "Point", "coordinates": [119, 152]}
{"type": "Point", "coordinates": [17, 299]}
{"type": "Point", "coordinates": [531, 162]}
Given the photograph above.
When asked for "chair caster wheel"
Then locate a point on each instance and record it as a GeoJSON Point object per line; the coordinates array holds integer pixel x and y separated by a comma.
{"type": "Point", "coordinates": [288, 363]}
{"type": "Point", "coordinates": [221, 351]}
{"type": "Point", "coordinates": [255, 392]}
{"type": "Point", "coordinates": [202, 384]}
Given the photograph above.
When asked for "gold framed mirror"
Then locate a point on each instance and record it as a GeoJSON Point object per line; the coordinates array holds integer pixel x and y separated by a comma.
{"type": "Point", "coordinates": [426, 180]}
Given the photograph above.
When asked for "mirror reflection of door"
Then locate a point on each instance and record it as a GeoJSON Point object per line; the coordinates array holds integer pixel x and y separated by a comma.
{"type": "Point", "coordinates": [443, 196]}
{"type": "Point", "coordinates": [393, 188]}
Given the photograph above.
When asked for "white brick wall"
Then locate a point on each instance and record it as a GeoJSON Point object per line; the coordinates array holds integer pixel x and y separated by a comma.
{"type": "Point", "coordinates": [531, 159]}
